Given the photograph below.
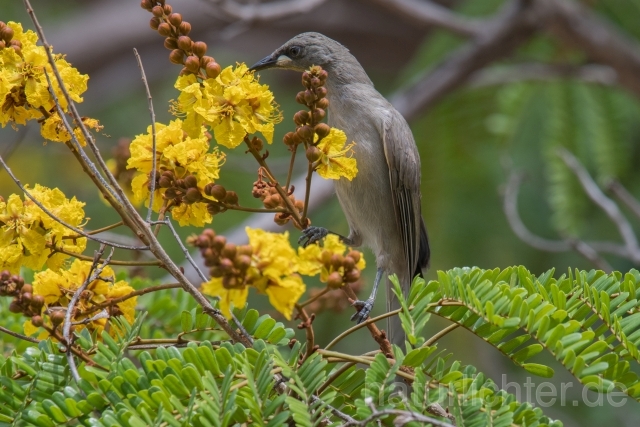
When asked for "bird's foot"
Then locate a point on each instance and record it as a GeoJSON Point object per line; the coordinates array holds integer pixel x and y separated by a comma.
{"type": "Point", "coordinates": [365, 308]}
{"type": "Point", "coordinates": [311, 235]}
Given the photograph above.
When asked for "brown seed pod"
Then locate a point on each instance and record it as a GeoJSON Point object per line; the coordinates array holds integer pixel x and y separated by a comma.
{"type": "Point", "coordinates": [175, 19]}
{"type": "Point", "coordinates": [193, 195]}
{"type": "Point", "coordinates": [191, 181]}
{"type": "Point", "coordinates": [184, 43]}
{"type": "Point", "coordinates": [213, 69]}
{"type": "Point", "coordinates": [352, 275]}
{"type": "Point", "coordinates": [192, 63]}
{"type": "Point", "coordinates": [322, 130]}
{"type": "Point", "coordinates": [177, 56]}
{"type": "Point", "coordinates": [334, 281]}
{"type": "Point", "coordinates": [301, 118]}
{"type": "Point", "coordinates": [313, 153]}
{"type": "Point", "coordinates": [164, 29]}
{"type": "Point", "coordinates": [157, 11]}
{"type": "Point", "coordinates": [184, 28]}
{"type": "Point", "coordinates": [167, 9]}
{"type": "Point", "coordinates": [199, 48]}
{"type": "Point", "coordinates": [229, 251]}
{"type": "Point", "coordinates": [170, 43]}
{"type": "Point", "coordinates": [322, 103]}
{"type": "Point", "coordinates": [37, 321]}
{"type": "Point", "coordinates": [318, 114]}
{"type": "Point", "coordinates": [154, 23]}
{"type": "Point", "coordinates": [231, 198]}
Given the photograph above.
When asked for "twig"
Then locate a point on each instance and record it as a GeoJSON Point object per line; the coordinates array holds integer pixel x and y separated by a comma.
{"type": "Point", "coordinates": [307, 324]}
{"type": "Point", "coordinates": [137, 293]}
{"type": "Point", "coordinates": [315, 297]}
{"type": "Point", "coordinates": [185, 251]}
{"type": "Point", "coordinates": [17, 335]}
{"type": "Point", "coordinates": [606, 204]}
{"type": "Point", "coordinates": [292, 161]}
{"type": "Point", "coordinates": [366, 323]}
{"type": "Point", "coordinates": [591, 73]}
{"type": "Point", "coordinates": [94, 273]}
{"type": "Point", "coordinates": [625, 197]}
{"type": "Point", "coordinates": [590, 254]}
{"type": "Point", "coordinates": [54, 248]}
{"type": "Point", "coordinates": [334, 375]}
{"type": "Point", "coordinates": [440, 334]}
{"type": "Point", "coordinates": [152, 189]}
{"type": "Point", "coordinates": [334, 411]}
{"type": "Point", "coordinates": [403, 417]}
{"type": "Point", "coordinates": [379, 336]}
{"type": "Point", "coordinates": [69, 226]}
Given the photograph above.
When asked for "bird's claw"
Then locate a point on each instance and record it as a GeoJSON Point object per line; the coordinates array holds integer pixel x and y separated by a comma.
{"type": "Point", "coordinates": [311, 235]}
{"type": "Point", "coordinates": [365, 308]}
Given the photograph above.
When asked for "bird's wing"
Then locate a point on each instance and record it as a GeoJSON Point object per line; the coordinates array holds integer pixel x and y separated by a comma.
{"type": "Point", "coordinates": [404, 175]}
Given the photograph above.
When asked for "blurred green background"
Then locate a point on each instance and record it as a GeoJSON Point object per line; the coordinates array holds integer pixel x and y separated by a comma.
{"type": "Point", "coordinates": [469, 141]}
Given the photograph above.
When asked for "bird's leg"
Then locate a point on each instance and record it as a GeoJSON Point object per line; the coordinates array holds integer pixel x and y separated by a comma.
{"type": "Point", "coordinates": [366, 306]}
{"type": "Point", "coordinates": [314, 234]}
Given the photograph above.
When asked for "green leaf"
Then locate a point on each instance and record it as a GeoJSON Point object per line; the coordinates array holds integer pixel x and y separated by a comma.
{"type": "Point", "coordinates": [539, 370]}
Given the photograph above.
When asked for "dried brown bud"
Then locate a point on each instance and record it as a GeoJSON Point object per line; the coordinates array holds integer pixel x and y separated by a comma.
{"type": "Point", "coordinates": [164, 29]}
{"type": "Point", "coordinates": [154, 23]}
{"type": "Point", "coordinates": [322, 130]}
{"type": "Point", "coordinates": [213, 69]}
{"type": "Point", "coordinates": [348, 263]}
{"type": "Point", "coordinates": [184, 28]}
{"type": "Point", "coordinates": [301, 118]}
{"type": "Point", "coordinates": [322, 103]}
{"type": "Point", "coordinates": [199, 48]}
{"type": "Point", "coordinates": [177, 56]}
{"type": "Point", "coordinates": [231, 198]}
{"type": "Point", "coordinates": [180, 183]}
{"type": "Point", "coordinates": [157, 11]}
{"type": "Point", "coordinates": [170, 43]}
{"type": "Point", "coordinates": [191, 181]}
{"type": "Point", "coordinates": [184, 43]}
{"type": "Point", "coordinates": [273, 201]}
{"type": "Point", "coordinates": [217, 191]}
{"type": "Point", "coordinates": [305, 133]}
{"type": "Point", "coordinates": [334, 280]}
{"type": "Point", "coordinates": [146, 4]}
{"type": "Point", "coordinates": [352, 275]}
{"type": "Point", "coordinates": [175, 19]}
{"type": "Point", "coordinates": [57, 317]}
{"type": "Point", "coordinates": [219, 242]}
{"type": "Point", "coordinates": [167, 9]}
{"type": "Point", "coordinates": [318, 115]}
{"type": "Point", "coordinates": [37, 321]}
{"type": "Point", "coordinates": [192, 63]}
{"type": "Point", "coordinates": [313, 153]}
{"type": "Point", "coordinates": [193, 195]}
{"type": "Point", "coordinates": [229, 251]}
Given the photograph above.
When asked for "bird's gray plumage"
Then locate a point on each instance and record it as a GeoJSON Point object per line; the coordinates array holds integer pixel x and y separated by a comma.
{"type": "Point", "coordinates": [382, 203]}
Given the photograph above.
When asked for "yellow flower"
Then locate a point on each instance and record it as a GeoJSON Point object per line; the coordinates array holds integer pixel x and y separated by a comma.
{"type": "Point", "coordinates": [316, 259]}
{"type": "Point", "coordinates": [180, 155]}
{"type": "Point", "coordinates": [57, 289]}
{"type": "Point", "coordinates": [232, 105]}
{"type": "Point", "coordinates": [53, 129]}
{"type": "Point", "coordinates": [28, 234]}
{"type": "Point", "coordinates": [334, 163]}
{"type": "Point", "coordinates": [24, 91]}
{"type": "Point", "coordinates": [229, 296]}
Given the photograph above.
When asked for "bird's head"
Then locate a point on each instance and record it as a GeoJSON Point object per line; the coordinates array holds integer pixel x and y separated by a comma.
{"type": "Point", "coordinates": [302, 52]}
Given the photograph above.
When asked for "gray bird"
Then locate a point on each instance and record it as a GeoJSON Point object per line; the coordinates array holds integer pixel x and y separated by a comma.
{"type": "Point", "coordinates": [382, 203]}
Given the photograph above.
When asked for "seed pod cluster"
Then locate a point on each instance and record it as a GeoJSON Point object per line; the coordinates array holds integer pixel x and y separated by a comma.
{"type": "Point", "coordinates": [308, 123]}
{"type": "Point", "coordinates": [271, 199]}
{"type": "Point", "coordinates": [224, 259]}
{"type": "Point", "coordinates": [23, 299]}
{"type": "Point", "coordinates": [222, 197]}
{"type": "Point", "coordinates": [342, 269]}
{"type": "Point", "coordinates": [184, 51]}
{"type": "Point", "coordinates": [7, 40]}
{"type": "Point", "coordinates": [179, 190]}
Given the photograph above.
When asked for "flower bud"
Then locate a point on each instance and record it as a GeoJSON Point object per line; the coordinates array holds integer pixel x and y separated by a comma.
{"type": "Point", "coordinates": [322, 75]}
{"type": "Point", "coordinates": [154, 23]}
{"type": "Point", "coordinates": [191, 181]}
{"type": "Point", "coordinates": [313, 153]}
{"type": "Point", "coordinates": [175, 19]}
{"type": "Point", "coordinates": [229, 251]}
{"type": "Point", "coordinates": [170, 43]}
{"type": "Point", "coordinates": [15, 42]}
{"type": "Point", "coordinates": [281, 218]}
{"type": "Point", "coordinates": [213, 208]}
{"type": "Point", "coordinates": [306, 78]}
{"type": "Point", "coordinates": [348, 263]}
{"type": "Point", "coordinates": [243, 262]}
{"type": "Point", "coordinates": [309, 97]}
{"type": "Point", "coordinates": [219, 242]}
{"type": "Point", "coordinates": [146, 4]}
{"type": "Point", "coordinates": [37, 302]}
{"type": "Point", "coordinates": [301, 118]}
{"type": "Point", "coordinates": [231, 198]}
{"type": "Point", "coordinates": [205, 60]}
{"type": "Point", "coordinates": [184, 43]}
{"type": "Point", "coordinates": [213, 69]}
{"type": "Point", "coordinates": [305, 133]}
{"type": "Point", "coordinates": [17, 49]}
{"type": "Point", "coordinates": [355, 255]}
{"type": "Point", "coordinates": [352, 275]}
{"type": "Point", "coordinates": [289, 139]}
{"type": "Point", "coordinates": [318, 115]}
{"type": "Point", "coordinates": [157, 11]}
{"type": "Point", "coordinates": [57, 317]}
{"type": "Point", "coordinates": [37, 321]}
{"type": "Point", "coordinates": [334, 281]}
{"type": "Point", "coordinates": [164, 182]}
{"type": "Point", "coordinates": [193, 195]}
{"type": "Point", "coordinates": [2, 44]}
{"type": "Point", "coordinates": [322, 103]}
{"type": "Point", "coordinates": [192, 63]}
{"type": "Point", "coordinates": [271, 202]}
{"type": "Point", "coordinates": [257, 143]}
{"type": "Point", "coordinates": [164, 29]}
{"type": "Point", "coordinates": [229, 282]}
{"type": "Point", "coordinates": [27, 296]}
{"type": "Point", "coordinates": [299, 204]}
{"type": "Point", "coordinates": [180, 183]}
{"type": "Point", "coordinates": [226, 265]}
{"type": "Point", "coordinates": [184, 28]}
{"type": "Point", "coordinates": [300, 98]}
{"type": "Point", "coordinates": [15, 307]}
{"type": "Point", "coordinates": [171, 193]}
{"type": "Point", "coordinates": [321, 92]}
{"type": "Point", "coordinates": [177, 56]}
{"type": "Point", "coordinates": [167, 9]}
{"type": "Point", "coordinates": [25, 288]}
{"type": "Point", "coordinates": [315, 82]}
{"type": "Point", "coordinates": [336, 261]}
{"type": "Point", "coordinates": [216, 271]}
{"type": "Point", "coordinates": [322, 130]}
{"type": "Point", "coordinates": [218, 192]}
{"type": "Point", "coordinates": [199, 48]}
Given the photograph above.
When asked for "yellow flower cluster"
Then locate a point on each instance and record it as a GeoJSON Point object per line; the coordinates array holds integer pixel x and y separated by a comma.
{"type": "Point", "coordinates": [24, 91]}
{"type": "Point", "coordinates": [326, 259]}
{"type": "Point", "coordinates": [180, 155]}
{"type": "Point", "coordinates": [232, 105]}
{"type": "Point", "coordinates": [58, 288]}
{"type": "Point", "coordinates": [28, 235]}
{"type": "Point", "coordinates": [336, 159]}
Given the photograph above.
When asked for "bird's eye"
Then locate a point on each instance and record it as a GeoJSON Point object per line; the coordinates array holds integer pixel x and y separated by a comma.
{"type": "Point", "coordinates": [295, 51]}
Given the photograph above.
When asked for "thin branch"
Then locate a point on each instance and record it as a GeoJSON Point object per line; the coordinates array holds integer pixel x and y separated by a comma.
{"type": "Point", "coordinates": [152, 189]}
{"type": "Point", "coordinates": [69, 226]}
{"type": "Point", "coordinates": [590, 254]}
{"type": "Point", "coordinates": [625, 197]}
{"type": "Point", "coordinates": [344, 417]}
{"type": "Point", "coordinates": [592, 73]}
{"type": "Point", "coordinates": [430, 13]}
{"type": "Point", "coordinates": [137, 293]}
{"type": "Point", "coordinates": [94, 273]}
{"type": "Point", "coordinates": [366, 323]}
{"type": "Point", "coordinates": [440, 334]}
{"type": "Point", "coordinates": [17, 335]}
{"type": "Point", "coordinates": [185, 251]}
{"type": "Point", "coordinates": [403, 417]}
{"type": "Point", "coordinates": [54, 248]}
{"type": "Point", "coordinates": [606, 204]}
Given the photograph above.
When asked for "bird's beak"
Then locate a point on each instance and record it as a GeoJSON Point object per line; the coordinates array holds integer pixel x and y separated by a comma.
{"type": "Point", "coordinates": [268, 62]}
